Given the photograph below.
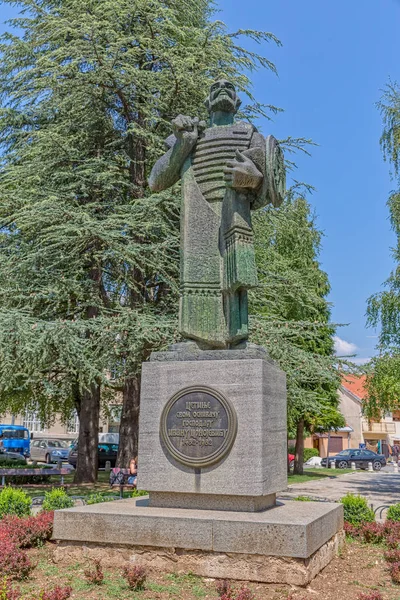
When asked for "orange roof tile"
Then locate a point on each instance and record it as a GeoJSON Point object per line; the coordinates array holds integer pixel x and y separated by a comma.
{"type": "Point", "coordinates": [355, 385]}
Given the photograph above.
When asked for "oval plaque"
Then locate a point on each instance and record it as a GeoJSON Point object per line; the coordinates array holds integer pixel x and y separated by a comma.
{"type": "Point", "coordinates": [198, 426]}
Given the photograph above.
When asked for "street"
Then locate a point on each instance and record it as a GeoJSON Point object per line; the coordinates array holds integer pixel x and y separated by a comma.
{"type": "Point", "coordinates": [379, 488]}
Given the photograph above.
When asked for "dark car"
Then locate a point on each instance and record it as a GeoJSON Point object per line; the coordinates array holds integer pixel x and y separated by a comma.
{"type": "Point", "coordinates": [105, 452]}
{"type": "Point", "coordinates": [361, 457]}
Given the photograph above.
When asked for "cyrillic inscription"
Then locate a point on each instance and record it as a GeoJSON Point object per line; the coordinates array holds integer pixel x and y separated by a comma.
{"type": "Point", "coordinates": [198, 426]}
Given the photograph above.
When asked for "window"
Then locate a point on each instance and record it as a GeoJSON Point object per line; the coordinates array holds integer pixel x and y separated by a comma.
{"type": "Point", "coordinates": [14, 434]}
{"type": "Point", "coordinates": [57, 444]}
{"type": "Point", "coordinates": [73, 424]}
{"type": "Point", "coordinates": [368, 454]}
{"type": "Point", "coordinates": [336, 444]}
{"type": "Point", "coordinates": [32, 422]}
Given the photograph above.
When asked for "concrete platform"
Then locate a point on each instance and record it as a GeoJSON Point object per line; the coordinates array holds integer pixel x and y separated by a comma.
{"type": "Point", "coordinates": [304, 535]}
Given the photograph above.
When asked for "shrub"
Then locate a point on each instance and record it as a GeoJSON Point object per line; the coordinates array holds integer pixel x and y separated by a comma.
{"type": "Point", "coordinates": [95, 575]}
{"type": "Point", "coordinates": [373, 533]}
{"type": "Point", "coordinates": [303, 499]}
{"type": "Point", "coordinates": [14, 502]}
{"type": "Point", "coordinates": [28, 531]}
{"type": "Point", "coordinates": [392, 555]}
{"type": "Point", "coordinates": [375, 595]}
{"type": "Point", "coordinates": [395, 572]}
{"type": "Point", "coordinates": [7, 592]}
{"type": "Point", "coordinates": [135, 576]}
{"type": "Point", "coordinates": [351, 531]}
{"type": "Point", "coordinates": [309, 453]}
{"type": "Point", "coordinates": [56, 499]}
{"type": "Point", "coordinates": [59, 593]}
{"type": "Point", "coordinates": [135, 493]}
{"type": "Point", "coordinates": [97, 498]}
{"type": "Point", "coordinates": [14, 562]}
{"type": "Point", "coordinates": [393, 513]}
{"type": "Point", "coordinates": [356, 510]}
{"type": "Point", "coordinates": [224, 589]}
{"type": "Point", "coordinates": [18, 463]}
{"type": "Point", "coordinates": [392, 541]}
{"type": "Point", "coordinates": [245, 594]}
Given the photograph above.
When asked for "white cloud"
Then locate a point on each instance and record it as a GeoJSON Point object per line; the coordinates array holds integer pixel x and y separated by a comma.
{"type": "Point", "coordinates": [343, 348]}
{"type": "Point", "coordinates": [360, 361]}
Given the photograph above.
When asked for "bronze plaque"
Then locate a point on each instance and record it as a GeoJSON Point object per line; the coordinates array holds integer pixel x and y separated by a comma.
{"type": "Point", "coordinates": [198, 426]}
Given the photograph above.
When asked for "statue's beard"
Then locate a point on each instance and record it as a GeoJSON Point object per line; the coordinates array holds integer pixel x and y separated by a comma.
{"type": "Point", "coordinates": [223, 103]}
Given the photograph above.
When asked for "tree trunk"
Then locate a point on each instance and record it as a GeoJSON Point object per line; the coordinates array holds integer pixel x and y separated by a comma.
{"type": "Point", "coordinates": [88, 439]}
{"type": "Point", "coordinates": [299, 450]}
{"type": "Point", "coordinates": [129, 426]}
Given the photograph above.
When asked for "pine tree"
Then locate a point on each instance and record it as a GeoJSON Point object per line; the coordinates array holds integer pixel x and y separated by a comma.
{"type": "Point", "coordinates": [384, 308]}
{"type": "Point", "coordinates": [89, 260]}
{"type": "Point", "coordinates": [290, 316]}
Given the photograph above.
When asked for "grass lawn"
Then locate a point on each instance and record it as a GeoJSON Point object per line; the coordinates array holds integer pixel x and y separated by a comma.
{"type": "Point", "coordinates": [101, 487]}
{"type": "Point", "coordinates": [359, 568]}
{"type": "Point", "coordinates": [316, 474]}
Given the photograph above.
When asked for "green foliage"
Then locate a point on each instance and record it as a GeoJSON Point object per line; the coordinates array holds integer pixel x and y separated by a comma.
{"type": "Point", "coordinates": [89, 260]}
{"type": "Point", "coordinates": [309, 453]}
{"type": "Point", "coordinates": [14, 501]}
{"type": "Point", "coordinates": [137, 493]}
{"type": "Point", "coordinates": [303, 499]}
{"type": "Point", "coordinates": [13, 464]}
{"type": "Point", "coordinates": [56, 499]}
{"type": "Point", "coordinates": [98, 498]}
{"type": "Point", "coordinates": [356, 510]}
{"type": "Point", "coordinates": [383, 311]}
{"type": "Point", "coordinates": [290, 313]}
{"type": "Point", "coordinates": [393, 513]}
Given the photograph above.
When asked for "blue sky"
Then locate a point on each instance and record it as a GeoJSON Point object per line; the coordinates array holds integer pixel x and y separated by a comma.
{"type": "Point", "coordinates": [336, 57]}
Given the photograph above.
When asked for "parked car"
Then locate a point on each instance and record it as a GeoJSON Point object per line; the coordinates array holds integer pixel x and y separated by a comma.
{"type": "Point", "coordinates": [314, 461]}
{"type": "Point", "coordinates": [361, 457]}
{"type": "Point", "coordinates": [6, 457]}
{"type": "Point", "coordinates": [49, 451]}
{"type": "Point", "coordinates": [105, 452]}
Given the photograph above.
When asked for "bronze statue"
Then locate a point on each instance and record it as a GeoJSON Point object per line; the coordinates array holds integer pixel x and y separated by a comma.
{"type": "Point", "coordinates": [227, 170]}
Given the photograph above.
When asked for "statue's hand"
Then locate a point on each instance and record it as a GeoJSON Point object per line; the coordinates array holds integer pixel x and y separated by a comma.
{"type": "Point", "coordinates": [241, 173]}
{"type": "Point", "coordinates": [186, 129]}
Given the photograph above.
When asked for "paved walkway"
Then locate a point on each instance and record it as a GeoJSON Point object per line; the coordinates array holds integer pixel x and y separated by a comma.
{"type": "Point", "coordinates": [379, 488]}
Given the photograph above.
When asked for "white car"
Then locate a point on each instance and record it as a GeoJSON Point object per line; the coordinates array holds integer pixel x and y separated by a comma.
{"type": "Point", "coordinates": [314, 461]}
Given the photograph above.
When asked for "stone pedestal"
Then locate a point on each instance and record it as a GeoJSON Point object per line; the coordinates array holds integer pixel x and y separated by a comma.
{"type": "Point", "coordinates": [212, 455]}
{"type": "Point", "coordinates": [289, 543]}
{"type": "Point", "coordinates": [253, 470]}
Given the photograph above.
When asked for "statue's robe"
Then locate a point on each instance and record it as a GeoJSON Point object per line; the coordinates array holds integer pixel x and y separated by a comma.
{"type": "Point", "coordinates": [217, 251]}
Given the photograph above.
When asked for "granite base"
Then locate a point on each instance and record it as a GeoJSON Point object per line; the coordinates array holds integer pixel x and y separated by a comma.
{"type": "Point", "coordinates": [289, 543]}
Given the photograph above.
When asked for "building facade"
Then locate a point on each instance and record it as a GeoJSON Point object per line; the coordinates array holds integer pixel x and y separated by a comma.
{"type": "Point", "coordinates": [377, 435]}
{"type": "Point", "coordinates": [58, 429]}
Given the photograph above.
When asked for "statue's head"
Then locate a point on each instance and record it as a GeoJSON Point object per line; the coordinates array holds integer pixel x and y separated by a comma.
{"type": "Point", "coordinates": [223, 97]}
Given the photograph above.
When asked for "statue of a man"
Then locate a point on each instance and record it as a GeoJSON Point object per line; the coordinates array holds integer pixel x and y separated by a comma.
{"type": "Point", "coordinates": [227, 170]}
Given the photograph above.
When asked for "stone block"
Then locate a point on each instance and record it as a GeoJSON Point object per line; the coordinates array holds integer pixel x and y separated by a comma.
{"type": "Point", "coordinates": [249, 567]}
{"type": "Point", "coordinates": [292, 529]}
{"type": "Point", "coordinates": [212, 501]}
{"type": "Point", "coordinates": [257, 462]}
